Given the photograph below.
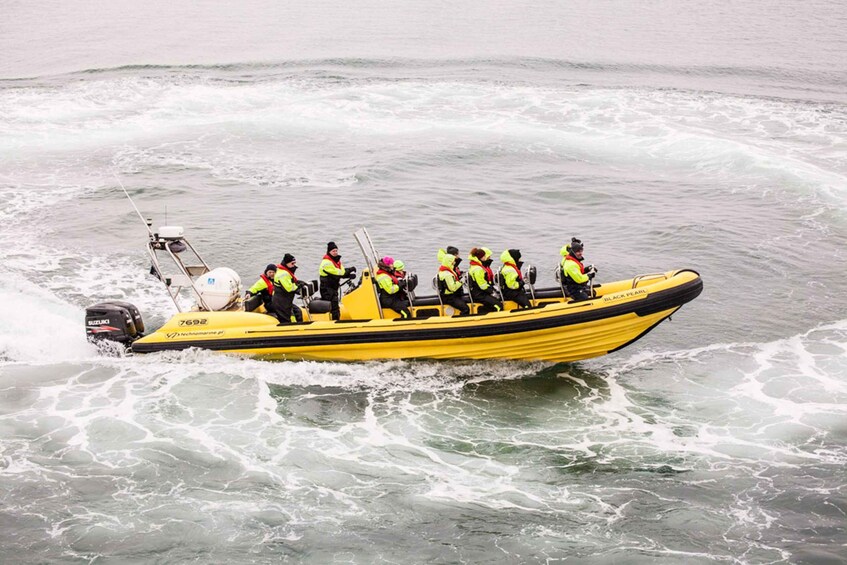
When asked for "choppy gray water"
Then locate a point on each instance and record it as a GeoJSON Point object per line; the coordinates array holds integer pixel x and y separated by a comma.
{"type": "Point", "coordinates": [703, 135]}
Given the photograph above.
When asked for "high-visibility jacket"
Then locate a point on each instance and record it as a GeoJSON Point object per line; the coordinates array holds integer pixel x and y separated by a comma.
{"type": "Point", "coordinates": [573, 269]}
{"type": "Point", "coordinates": [481, 275]}
{"type": "Point", "coordinates": [450, 280]}
{"type": "Point", "coordinates": [387, 282]}
{"type": "Point", "coordinates": [331, 270]}
{"type": "Point", "coordinates": [512, 276]}
{"type": "Point", "coordinates": [448, 277]}
{"type": "Point", "coordinates": [263, 284]}
{"type": "Point", "coordinates": [285, 279]}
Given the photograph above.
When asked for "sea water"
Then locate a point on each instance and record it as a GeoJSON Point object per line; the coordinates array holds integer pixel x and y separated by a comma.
{"type": "Point", "coordinates": [705, 135]}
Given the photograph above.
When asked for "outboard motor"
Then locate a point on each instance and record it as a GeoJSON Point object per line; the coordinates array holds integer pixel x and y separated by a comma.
{"type": "Point", "coordinates": [113, 321]}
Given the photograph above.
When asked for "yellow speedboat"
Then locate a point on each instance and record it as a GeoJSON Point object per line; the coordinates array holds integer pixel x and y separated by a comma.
{"type": "Point", "coordinates": [555, 328]}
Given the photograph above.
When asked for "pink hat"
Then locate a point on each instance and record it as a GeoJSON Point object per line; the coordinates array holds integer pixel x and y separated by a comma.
{"type": "Point", "coordinates": [387, 261]}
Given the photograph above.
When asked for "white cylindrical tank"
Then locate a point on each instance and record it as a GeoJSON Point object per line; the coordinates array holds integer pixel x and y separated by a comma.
{"type": "Point", "coordinates": [220, 288]}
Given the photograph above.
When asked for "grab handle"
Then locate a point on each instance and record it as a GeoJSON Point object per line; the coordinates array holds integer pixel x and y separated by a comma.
{"type": "Point", "coordinates": [640, 278]}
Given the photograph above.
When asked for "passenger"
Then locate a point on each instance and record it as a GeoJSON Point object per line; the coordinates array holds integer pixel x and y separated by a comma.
{"type": "Point", "coordinates": [512, 283]}
{"type": "Point", "coordinates": [331, 271]}
{"type": "Point", "coordinates": [449, 282]}
{"type": "Point", "coordinates": [390, 287]}
{"type": "Point", "coordinates": [481, 280]}
{"type": "Point", "coordinates": [400, 273]}
{"type": "Point", "coordinates": [285, 289]}
{"type": "Point", "coordinates": [575, 277]}
{"type": "Point", "coordinates": [263, 289]}
{"type": "Point", "coordinates": [453, 250]}
{"type": "Point", "coordinates": [400, 268]}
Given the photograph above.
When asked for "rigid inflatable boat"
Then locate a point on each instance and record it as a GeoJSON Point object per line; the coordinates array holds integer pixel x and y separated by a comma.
{"type": "Point", "coordinates": [555, 328]}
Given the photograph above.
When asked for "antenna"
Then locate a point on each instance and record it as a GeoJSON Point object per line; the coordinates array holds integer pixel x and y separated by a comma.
{"type": "Point", "coordinates": [146, 223]}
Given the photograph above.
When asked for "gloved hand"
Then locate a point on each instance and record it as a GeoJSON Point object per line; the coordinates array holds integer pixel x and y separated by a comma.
{"type": "Point", "coordinates": [591, 274]}
{"type": "Point", "coordinates": [351, 270]}
{"type": "Point", "coordinates": [401, 283]}
{"type": "Point", "coordinates": [302, 284]}
{"type": "Point", "coordinates": [248, 294]}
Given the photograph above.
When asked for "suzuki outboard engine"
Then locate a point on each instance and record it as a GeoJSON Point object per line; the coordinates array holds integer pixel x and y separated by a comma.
{"type": "Point", "coordinates": [113, 321]}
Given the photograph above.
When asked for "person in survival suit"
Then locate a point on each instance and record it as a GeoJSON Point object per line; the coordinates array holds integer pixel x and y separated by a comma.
{"type": "Point", "coordinates": [331, 271]}
{"type": "Point", "coordinates": [450, 286]}
{"type": "Point", "coordinates": [285, 289]}
{"type": "Point", "coordinates": [481, 280]}
{"type": "Point", "coordinates": [512, 283]}
{"type": "Point", "coordinates": [576, 276]}
{"type": "Point", "coordinates": [390, 287]}
{"type": "Point", "coordinates": [400, 273]}
{"type": "Point", "coordinates": [262, 291]}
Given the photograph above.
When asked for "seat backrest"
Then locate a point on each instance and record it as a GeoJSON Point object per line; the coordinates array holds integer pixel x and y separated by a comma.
{"type": "Point", "coordinates": [318, 306]}
{"type": "Point", "coordinates": [560, 280]}
{"type": "Point", "coordinates": [529, 276]}
{"type": "Point", "coordinates": [466, 280]}
{"type": "Point", "coordinates": [436, 286]}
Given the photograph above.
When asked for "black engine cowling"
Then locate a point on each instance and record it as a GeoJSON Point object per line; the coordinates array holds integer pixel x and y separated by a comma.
{"type": "Point", "coordinates": [113, 321]}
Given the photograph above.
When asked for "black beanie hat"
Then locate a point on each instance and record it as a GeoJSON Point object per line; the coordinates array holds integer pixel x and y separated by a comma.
{"type": "Point", "coordinates": [330, 246]}
{"type": "Point", "coordinates": [287, 259]}
{"type": "Point", "coordinates": [453, 250]}
{"type": "Point", "coordinates": [270, 267]}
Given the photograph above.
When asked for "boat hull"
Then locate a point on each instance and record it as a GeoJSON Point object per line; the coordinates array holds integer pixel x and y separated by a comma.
{"type": "Point", "coordinates": [555, 331]}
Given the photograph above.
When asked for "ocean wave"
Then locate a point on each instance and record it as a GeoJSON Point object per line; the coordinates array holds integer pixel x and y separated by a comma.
{"type": "Point", "coordinates": [471, 67]}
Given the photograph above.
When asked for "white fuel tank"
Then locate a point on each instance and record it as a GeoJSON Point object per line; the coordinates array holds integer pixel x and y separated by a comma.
{"type": "Point", "coordinates": [220, 288]}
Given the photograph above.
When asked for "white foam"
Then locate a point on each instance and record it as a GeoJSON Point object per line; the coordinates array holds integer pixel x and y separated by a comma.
{"type": "Point", "coordinates": [38, 328]}
{"type": "Point", "coordinates": [756, 400]}
{"type": "Point", "coordinates": [191, 123]}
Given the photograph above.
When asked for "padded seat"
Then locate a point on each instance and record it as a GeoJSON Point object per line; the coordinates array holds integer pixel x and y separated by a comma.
{"type": "Point", "coordinates": [427, 301]}
{"type": "Point", "coordinates": [318, 306]}
{"type": "Point", "coordinates": [554, 292]}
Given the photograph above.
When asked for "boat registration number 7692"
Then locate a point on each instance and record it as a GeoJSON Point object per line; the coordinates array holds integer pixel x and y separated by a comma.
{"type": "Point", "coordinates": [194, 322]}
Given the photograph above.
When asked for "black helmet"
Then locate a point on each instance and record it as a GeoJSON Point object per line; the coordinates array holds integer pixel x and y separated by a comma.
{"type": "Point", "coordinates": [576, 245]}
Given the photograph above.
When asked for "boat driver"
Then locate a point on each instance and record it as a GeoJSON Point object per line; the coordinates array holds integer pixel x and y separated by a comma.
{"type": "Point", "coordinates": [576, 276]}
{"type": "Point", "coordinates": [331, 271]}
